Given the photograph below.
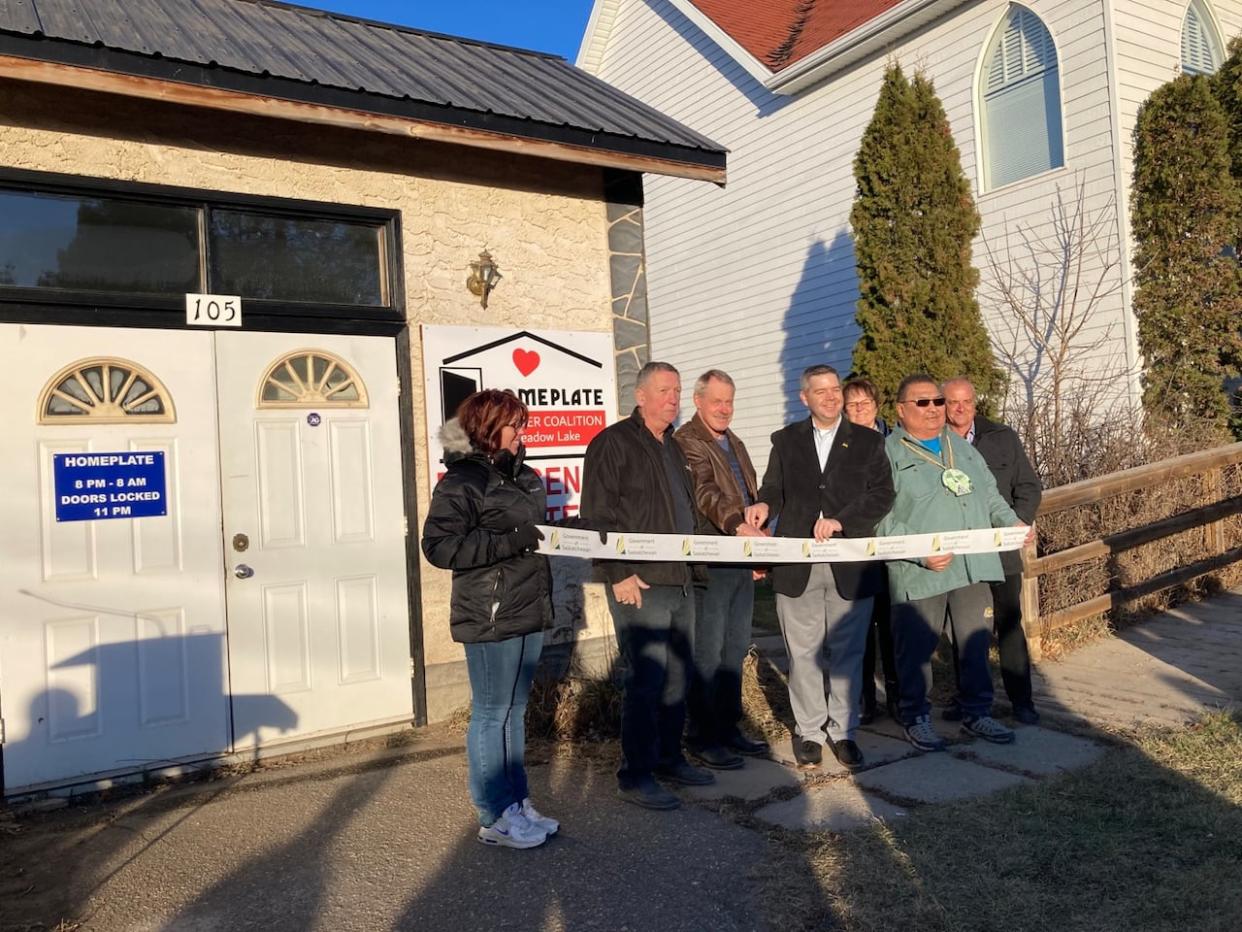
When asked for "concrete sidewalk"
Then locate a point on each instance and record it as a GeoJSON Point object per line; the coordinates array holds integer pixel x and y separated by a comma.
{"type": "Point", "coordinates": [378, 842]}
{"type": "Point", "coordinates": [384, 839]}
{"type": "Point", "coordinates": [378, 838]}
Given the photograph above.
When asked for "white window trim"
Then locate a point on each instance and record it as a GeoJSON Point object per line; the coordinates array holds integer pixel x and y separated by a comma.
{"type": "Point", "coordinates": [980, 88]}
{"type": "Point", "coordinates": [1039, 177]}
{"type": "Point", "coordinates": [1208, 15]}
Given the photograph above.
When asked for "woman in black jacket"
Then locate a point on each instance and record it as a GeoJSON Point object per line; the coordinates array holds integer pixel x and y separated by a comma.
{"type": "Point", "coordinates": [481, 525]}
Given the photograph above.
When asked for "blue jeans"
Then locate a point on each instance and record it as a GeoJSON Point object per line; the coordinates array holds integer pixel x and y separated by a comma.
{"type": "Point", "coordinates": [657, 644]}
{"type": "Point", "coordinates": [500, 676]}
{"type": "Point", "coordinates": [723, 613]}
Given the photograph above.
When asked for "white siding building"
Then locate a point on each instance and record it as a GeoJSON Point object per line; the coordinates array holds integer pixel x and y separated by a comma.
{"type": "Point", "coordinates": [758, 277]}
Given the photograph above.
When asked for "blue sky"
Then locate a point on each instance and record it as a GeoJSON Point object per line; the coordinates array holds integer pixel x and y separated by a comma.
{"type": "Point", "coordinates": [545, 25]}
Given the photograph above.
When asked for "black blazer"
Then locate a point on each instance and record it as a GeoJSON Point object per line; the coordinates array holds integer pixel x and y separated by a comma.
{"type": "Point", "coordinates": [855, 488]}
{"type": "Point", "coordinates": [1016, 479]}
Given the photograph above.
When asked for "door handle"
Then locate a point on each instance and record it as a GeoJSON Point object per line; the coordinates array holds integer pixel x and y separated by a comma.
{"type": "Point", "coordinates": [242, 571]}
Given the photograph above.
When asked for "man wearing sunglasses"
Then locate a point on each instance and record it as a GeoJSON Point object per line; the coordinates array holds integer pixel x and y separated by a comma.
{"type": "Point", "coordinates": [942, 484]}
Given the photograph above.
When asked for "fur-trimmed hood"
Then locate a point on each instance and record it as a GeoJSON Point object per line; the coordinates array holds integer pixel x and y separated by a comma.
{"type": "Point", "coordinates": [455, 440]}
{"type": "Point", "coordinates": [457, 446]}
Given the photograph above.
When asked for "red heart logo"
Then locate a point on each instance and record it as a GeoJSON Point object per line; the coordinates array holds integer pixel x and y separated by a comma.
{"type": "Point", "coordinates": [527, 361]}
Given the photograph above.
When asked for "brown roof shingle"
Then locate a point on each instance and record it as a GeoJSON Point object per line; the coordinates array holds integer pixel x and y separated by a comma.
{"type": "Point", "coordinates": [781, 32]}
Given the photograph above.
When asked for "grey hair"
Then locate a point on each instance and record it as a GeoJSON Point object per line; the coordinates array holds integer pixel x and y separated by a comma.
{"type": "Point", "coordinates": [959, 380]}
{"type": "Point", "coordinates": [651, 369]}
{"type": "Point", "coordinates": [811, 372]}
{"type": "Point", "coordinates": [700, 384]}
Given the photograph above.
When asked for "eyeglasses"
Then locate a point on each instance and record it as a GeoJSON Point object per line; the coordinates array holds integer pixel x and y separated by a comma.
{"type": "Point", "coordinates": [924, 402]}
{"type": "Point", "coordinates": [859, 405]}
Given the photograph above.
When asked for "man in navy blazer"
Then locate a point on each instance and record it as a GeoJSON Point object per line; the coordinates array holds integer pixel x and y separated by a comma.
{"type": "Point", "coordinates": [826, 477]}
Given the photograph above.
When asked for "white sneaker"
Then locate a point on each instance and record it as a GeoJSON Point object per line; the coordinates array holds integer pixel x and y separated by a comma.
{"type": "Point", "coordinates": [534, 817]}
{"type": "Point", "coordinates": [513, 830]}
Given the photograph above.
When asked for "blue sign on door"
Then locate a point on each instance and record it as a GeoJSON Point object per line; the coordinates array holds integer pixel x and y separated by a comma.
{"type": "Point", "coordinates": [94, 486]}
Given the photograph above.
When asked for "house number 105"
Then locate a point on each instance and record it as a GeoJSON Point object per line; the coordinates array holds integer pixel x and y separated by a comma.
{"type": "Point", "coordinates": [213, 310]}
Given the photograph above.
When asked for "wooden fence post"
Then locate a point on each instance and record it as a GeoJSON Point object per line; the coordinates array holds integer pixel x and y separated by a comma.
{"type": "Point", "coordinates": [1214, 533]}
{"type": "Point", "coordinates": [1032, 625]}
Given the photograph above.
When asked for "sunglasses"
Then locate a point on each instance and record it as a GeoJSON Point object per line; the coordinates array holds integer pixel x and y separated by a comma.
{"type": "Point", "coordinates": [924, 402]}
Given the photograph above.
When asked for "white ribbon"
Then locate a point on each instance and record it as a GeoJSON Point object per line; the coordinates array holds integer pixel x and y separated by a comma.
{"type": "Point", "coordinates": [762, 551]}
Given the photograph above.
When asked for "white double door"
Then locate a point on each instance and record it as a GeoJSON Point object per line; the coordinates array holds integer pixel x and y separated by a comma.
{"type": "Point", "coordinates": [268, 603]}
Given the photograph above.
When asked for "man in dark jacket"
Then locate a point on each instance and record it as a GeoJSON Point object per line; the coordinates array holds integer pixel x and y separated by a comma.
{"type": "Point", "coordinates": [724, 484]}
{"type": "Point", "coordinates": [825, 477]}
{"type": "Point", "coordinates": [636, 479]}
{"type": "Point", "coordinates": [1020, 487]}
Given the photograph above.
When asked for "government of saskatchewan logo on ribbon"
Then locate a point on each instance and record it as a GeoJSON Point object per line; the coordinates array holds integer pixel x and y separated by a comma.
{"type": "Point", "coordinates": [806, 548]}
{"type": "Point", "coordinates": [871, 548]}
{"type": "Point", "coordinates": [621, 543]}
{"type": "Point", "coordinates": [747, 549]}
{"type": "Point", "coordinates": [996, 538]}
{"type": "Point", "coordinates": [935, 545]}
{"type": "Point", "coordinates": [687, 547]}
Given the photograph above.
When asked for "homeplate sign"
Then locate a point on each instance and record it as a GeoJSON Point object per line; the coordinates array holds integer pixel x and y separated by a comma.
{"type": "Point", "coordinates": [564, 377]}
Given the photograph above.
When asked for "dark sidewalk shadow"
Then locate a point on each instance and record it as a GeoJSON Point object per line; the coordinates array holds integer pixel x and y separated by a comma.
{"type": "Point", "coordinates": [144, 691]}
{"type": "Point", "coordinates": [284, 888]}
{"type": "Point", "coordinates": [612, 866]}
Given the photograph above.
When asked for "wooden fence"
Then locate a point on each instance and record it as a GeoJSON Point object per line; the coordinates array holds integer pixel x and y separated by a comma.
{"type": "Point", "coordinates": [1208, 463]}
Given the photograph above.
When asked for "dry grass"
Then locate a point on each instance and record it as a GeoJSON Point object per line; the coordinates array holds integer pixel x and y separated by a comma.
{"type": "Point", "coordinates": [577, 707]}
{"type": "Point", "coordinates": [765, 698]}
{"type": "Point", "coordinates": [1148, 838]}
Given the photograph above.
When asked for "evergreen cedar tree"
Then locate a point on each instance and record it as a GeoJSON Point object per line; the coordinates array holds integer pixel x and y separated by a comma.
{"type": "Point", "coordinates": [1227, 86]}
{"type": "Point", "coordinates": [914, 220]}
{"type": "Point", "coordinates": [1185, 212]}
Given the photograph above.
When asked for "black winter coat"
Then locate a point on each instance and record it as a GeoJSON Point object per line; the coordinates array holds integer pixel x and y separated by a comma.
{"type": "Point", "coordinates": [500, 590]}
{"type": "Point", "coordinates": [625, 488]}
{"type": "Point", "coordinates": [1016, 478]}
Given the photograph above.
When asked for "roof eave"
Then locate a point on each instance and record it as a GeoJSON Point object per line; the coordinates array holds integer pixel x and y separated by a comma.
{"type": "Point", "coordinates": [595, 38]}
{"type": "Point", "coordinates": [753, 66]}
{"type": "Point", "coordinates": [872, 36]}
{"type": "Point", "coordinates": [47, 61]}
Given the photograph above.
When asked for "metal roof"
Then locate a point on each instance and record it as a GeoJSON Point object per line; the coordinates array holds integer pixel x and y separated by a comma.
{"type": "Point", "coordinates": [294, 52]}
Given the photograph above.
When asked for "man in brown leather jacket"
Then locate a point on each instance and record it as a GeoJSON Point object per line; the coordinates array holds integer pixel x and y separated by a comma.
{"type": "Point", "coordinates": [724, 485]}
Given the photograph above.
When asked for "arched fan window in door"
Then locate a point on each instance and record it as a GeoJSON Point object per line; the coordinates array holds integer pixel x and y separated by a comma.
{"type": "Point", "coordinates": [105, 390]}
{"type": "Point", "coordinates": [310, 378]}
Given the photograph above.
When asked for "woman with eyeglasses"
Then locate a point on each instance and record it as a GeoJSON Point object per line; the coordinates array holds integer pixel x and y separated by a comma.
{"type": "Point", "coordinates": [862, 407]}
{"type": "Point", "coordinates": [482, 526]}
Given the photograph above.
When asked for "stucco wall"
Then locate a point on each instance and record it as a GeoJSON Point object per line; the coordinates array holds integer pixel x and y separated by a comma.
{"type": "Point", "coordinates": [544, 222]}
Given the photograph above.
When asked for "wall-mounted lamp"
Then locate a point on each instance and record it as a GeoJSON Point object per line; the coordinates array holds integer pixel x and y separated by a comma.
{"type": "Point", "coordinates": [483, 276]}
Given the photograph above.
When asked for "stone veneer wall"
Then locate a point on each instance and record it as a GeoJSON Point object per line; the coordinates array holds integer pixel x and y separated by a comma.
{"type": "Point", "coordinates": [543, 220]}
{"type": "Point", "coordinates": [631, 335]}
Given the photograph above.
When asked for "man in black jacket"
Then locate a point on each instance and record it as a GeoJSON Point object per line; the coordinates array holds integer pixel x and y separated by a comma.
{"type": "Point", "coordinates": [825, 477]}
{"type": "Point", "coordinates": [1019, 485]}
{"type": "Point", "coordinates": [636, 479]}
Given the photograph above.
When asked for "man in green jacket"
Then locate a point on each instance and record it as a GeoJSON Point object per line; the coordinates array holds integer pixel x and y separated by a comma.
{"type": "Point", "coordinates": [942, 484]}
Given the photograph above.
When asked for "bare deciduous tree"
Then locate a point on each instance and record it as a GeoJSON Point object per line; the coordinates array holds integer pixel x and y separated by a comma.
{"type": "Point", "coordinates": [1049, 287]}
